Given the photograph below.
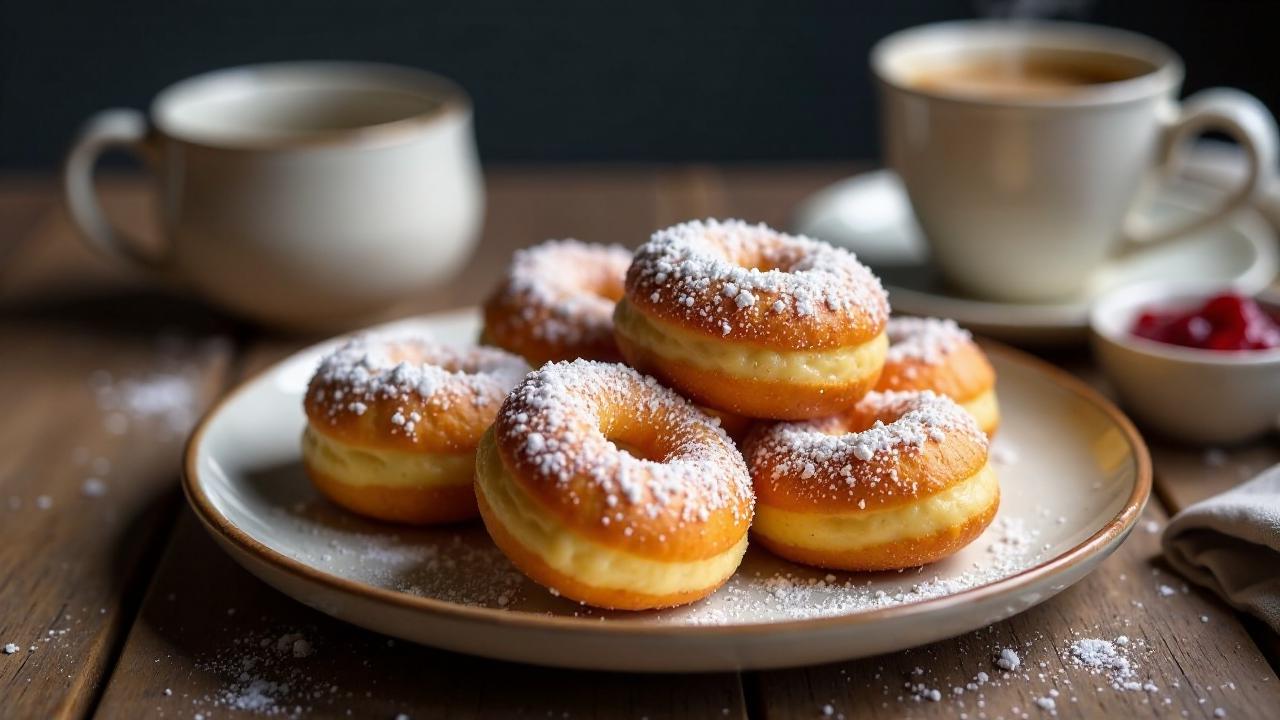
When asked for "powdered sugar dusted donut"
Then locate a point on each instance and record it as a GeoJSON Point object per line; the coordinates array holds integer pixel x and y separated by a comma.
{"type": "Point", "coordinates": [613, 490]}
{"type": "Point", "coordinates": [393, 424]}
{"type": "Point", "coordinates": [935, 354]}
{"type": "Point", "coordinates": [901, 480]}
{"type": "Point", "coordinates": [556, 302]}
{"type": "Point", "coordinates": [747, 319]}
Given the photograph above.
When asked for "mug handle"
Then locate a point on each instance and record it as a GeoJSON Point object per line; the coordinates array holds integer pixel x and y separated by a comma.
{"type": "Point", "coordinates": [1237, 114]}
{"type": "Point", "coordinates": [116, 128]}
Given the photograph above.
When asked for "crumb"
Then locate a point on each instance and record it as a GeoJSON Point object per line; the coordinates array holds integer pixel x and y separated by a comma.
{"type": "Point", "coordinates": [10, 648]}
{"type": "Point", "coordinates": [1009, 659]}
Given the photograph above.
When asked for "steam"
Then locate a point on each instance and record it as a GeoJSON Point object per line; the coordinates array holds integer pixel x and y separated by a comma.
{"type": "Point", "coordinates": [1033, 9]}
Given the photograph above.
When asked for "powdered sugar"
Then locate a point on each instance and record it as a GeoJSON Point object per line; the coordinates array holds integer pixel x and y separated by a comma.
{"type": "Point", "coordinates": [1107, 658]}
{"type": "Point", "coordinates": [793, 593]}
{"type": "Point", "coordinates": [924, 340]}
{"type": "Point", "coordinates": [563, 292]}
{"type": "Point", "coordinates": [411, 372]}
{"type": "Point", "coordinates": [838, 458]}
{"type": "Point", "coordinates": [552, 421]}
{"type": "Point", "coordinates": [1008, 659]}
{"type": "Point", "coordinates": [738, 277]}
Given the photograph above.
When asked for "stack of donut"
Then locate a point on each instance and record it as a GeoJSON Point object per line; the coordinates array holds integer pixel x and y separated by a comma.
{"type": "Point", "coordinates": [725, 378]}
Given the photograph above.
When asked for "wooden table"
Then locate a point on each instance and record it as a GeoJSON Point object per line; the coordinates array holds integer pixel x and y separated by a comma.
{"type": "Point", "coordinates": [121, 606]}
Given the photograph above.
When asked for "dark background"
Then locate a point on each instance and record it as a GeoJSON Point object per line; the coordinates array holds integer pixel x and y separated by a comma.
{"type": "Point", "coordinates": [569, 81]}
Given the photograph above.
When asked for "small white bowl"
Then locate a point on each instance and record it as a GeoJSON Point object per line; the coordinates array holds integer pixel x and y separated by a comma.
{"type": "Point", "coordinates": [1201, 396]}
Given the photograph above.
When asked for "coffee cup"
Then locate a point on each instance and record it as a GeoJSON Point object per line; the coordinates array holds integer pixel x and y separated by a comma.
{"type": "Point", "coordinates": [310, 195]}
{"type": "Point", "coordinates": [1025, 147]}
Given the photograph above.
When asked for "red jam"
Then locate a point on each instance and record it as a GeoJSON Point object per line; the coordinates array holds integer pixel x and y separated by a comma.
{"type": "Point", "coordinates": [1224, 322]}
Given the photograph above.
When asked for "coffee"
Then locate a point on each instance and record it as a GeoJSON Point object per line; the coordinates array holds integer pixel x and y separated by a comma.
{"type": "Point", "coordinates": [1029, 73]}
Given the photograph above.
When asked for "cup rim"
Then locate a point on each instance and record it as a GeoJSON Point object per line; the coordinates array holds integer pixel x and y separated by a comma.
{"type": "Point", "coordinates": [450, 101]}
{"type": "Point", "coordinates": [1112, 313]}
{"type": "Point", "coordinates": [1168, 72]}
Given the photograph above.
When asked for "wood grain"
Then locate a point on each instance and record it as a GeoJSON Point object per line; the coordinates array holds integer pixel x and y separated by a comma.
{"type": "Point", "coordinates": [87, 456]}
{"type": "Point", "coordinates": [85, 563]}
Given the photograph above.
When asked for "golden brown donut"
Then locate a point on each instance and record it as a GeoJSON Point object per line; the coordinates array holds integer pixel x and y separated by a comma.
{"type": "Point", "coordinates": [393, 424]}
{"type": "Point", "coordinates": [900, 480]}
{"type": "Point", "coordinates": [735, 426]}
{"type": "Point", "coordinates": [613, 490]}
{"type": "Point", "coordinates": [744, 318]}
{"type": "Point", "coordinates": [938, 355]}
{"type": "Point", "coordinates": [556, 302]}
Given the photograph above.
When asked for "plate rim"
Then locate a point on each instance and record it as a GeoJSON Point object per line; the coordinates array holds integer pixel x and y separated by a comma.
{"type": "Point", "coordinates": [1118, 526]}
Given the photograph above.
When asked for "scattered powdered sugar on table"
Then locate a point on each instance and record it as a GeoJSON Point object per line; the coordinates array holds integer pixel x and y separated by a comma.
{"type": "Point", "coordinates": [1111, 660]}
{"type": "Point", "coordinates": [166, 400]}
{"type": "Point", "coordinates": [1053, 674]}
{"type": "Point", "coordinates": [93, 487]}
{"type": "Point", "coordinates": [1008, 659]}
{"type": "Point", "coordinates": [264, 674]}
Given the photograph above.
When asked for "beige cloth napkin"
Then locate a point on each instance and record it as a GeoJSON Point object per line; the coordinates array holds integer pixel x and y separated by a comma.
{"type": "Point", "coordinates": [1230, 543]}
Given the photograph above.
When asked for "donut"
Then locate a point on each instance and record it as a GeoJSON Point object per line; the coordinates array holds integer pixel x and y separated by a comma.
{"type": "Point", "coordinates": [393, 424]}
{"type": "Point", "coordinates": [900, 480]}
{"type": "Point", "coordinates": [938, 355]}
{"type": "Point", "coordinates": [610, 489]}
{"type": "Point", "coordinates": [735, 426]}
{"type": "Point", "coordinates": [556, 302]}
{"type": "Point", "coordinates": [746, 319]}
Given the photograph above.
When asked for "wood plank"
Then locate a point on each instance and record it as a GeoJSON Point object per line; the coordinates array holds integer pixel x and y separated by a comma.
{"type": "Point", "coordinates": [99, 388]}
{"type": "Point", "coordinates": [205, 615]}
{"type": "Point", "coordinates": [1188, 644]}
{"type": "Point", "coordinates": [186, 638]}
{"type": "Point", "coordinates": [1187, 475]}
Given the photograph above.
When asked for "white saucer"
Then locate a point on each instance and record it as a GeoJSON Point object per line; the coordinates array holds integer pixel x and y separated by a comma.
{"type": "Point", "coordinates": [870, 214]}
{"type": "Point", "coordinates": [1074, 476]}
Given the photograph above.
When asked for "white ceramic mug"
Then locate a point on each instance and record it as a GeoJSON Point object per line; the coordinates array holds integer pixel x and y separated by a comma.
{"type": "Point", "coordinates": [1021, 198]}
{"type": "Point", "coordinates": [309, 195]}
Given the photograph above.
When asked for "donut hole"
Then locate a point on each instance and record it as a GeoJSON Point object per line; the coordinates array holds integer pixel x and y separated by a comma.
{"type": "Point", "coordinates": [764, 257]}
{"type": "Point", "coordinates": [634, 450]}
{"type": "Point", "coordinates": [634, 439]}
{"type": "Point", "coordinates": [859, 420]}
{"type": "Point", "coordinates": [608, 287]}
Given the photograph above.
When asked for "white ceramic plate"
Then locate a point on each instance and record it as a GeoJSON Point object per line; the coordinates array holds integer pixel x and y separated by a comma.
{"type": "Point", "coordinates": [870, 214]}
{"type": "Point", "coordinates": [1078, 483]}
